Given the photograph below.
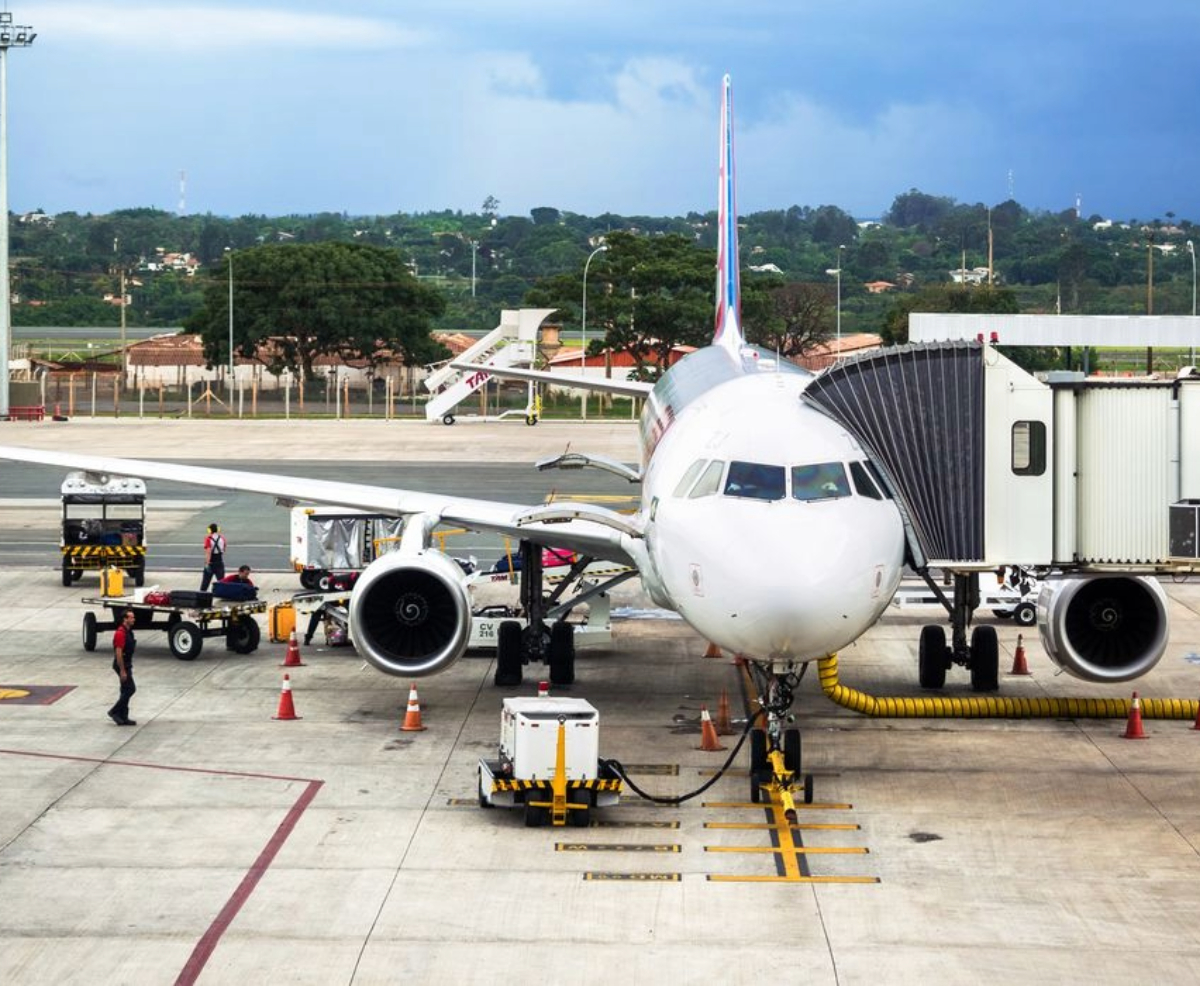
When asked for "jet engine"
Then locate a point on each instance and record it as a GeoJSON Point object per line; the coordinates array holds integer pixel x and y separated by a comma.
{"type": "Point", "coordinates": [410, 615]}
{"type": "Point", "coordinates": [1104, 628]}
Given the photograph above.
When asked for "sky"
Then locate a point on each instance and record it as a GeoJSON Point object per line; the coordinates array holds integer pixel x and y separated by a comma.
{"type": "Point", "coordinates": [279, 107]}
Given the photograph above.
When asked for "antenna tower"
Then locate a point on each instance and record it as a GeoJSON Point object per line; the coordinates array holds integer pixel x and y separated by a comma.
{"type": "Point", "coordinates": [183, 193]}
{"type": "Point", "coordinates": [1012, 195]}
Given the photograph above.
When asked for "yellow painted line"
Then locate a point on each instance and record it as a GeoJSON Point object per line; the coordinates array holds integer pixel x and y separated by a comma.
{"type": "Point", "coordinates": [634, 877]}
{"type": "Point", "coordinates": [615, 847]}
{"type": "Point", "coordinates": [719, 878]}
{"type": "Point", "coordinates": [815, 806]}
{"type": "Point", "coordinates": [13, 693]}
{"type": "Point", "coordinates": [770, 826]}
{"type": "Point", "coordinates": [793, 848]}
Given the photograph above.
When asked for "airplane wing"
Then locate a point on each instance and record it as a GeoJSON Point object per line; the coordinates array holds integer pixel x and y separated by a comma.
{"type": "Point", "coordinates": [625, 388]}
{"type": "Point", "coordinates": [586, 528]}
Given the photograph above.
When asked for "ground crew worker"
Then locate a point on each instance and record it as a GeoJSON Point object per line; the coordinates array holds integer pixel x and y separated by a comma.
{"type": "Point", "coordinates": [214, 557]}
{"type": "Point", "coordinates": [124, 644]}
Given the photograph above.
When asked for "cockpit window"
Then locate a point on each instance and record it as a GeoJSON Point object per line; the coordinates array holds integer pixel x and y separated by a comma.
{"type": "Point", "coordinates": [756, 481]}
{"type": "Point", "coordinates": [689, 477]}
{"type": "Point", "coordinates": [863, 484]}
{"type": "Point", "coordinates": [819, 482]}
{"type": "Point", "coordinates": [874, 471]}
{"type": "Point", "coordinates": [709, 481]}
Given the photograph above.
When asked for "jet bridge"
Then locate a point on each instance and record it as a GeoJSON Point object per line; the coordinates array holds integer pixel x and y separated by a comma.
{"type": "Point", "coordinates": [511, 343]}
{"type": "Point", "coordinates": [993, 466]}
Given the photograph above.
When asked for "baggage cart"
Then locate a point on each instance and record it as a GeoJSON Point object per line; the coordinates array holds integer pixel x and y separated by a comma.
{"type": "Point", "coordinates": [186, 628]}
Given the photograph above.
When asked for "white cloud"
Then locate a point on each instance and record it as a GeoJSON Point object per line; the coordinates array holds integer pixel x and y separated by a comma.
{"type": "Point", "coordinates": [209, 27]}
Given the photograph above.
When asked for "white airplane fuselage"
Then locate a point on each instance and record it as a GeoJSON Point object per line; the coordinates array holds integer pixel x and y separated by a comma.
{"type": "Point", "coordinates": [773, 576]}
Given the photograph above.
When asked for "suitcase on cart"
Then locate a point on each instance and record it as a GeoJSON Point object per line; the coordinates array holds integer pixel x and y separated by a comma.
{"type": "Point", "coordinates": [191, 599]}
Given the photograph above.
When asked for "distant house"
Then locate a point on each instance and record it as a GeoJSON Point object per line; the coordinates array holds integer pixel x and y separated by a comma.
{"type": "Point", "coordinates": [976, 275]}
{"type": "Point", "coordinates": [879, 287]}
{"type": "Point", "coordinates": [849, 345]}
{"type": "Point", "coordinates": [765, 269]}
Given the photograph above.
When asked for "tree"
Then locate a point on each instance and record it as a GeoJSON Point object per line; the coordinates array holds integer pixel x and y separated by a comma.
{"type": "Point", "coordinates": [646, 295]}
{"type": "Point", "coordinates": [346, 299]}
{"type": "Point", "coordinates": [913, 208]}
{"type": "Point", "coordinates": [945, 298]}
{"type": "Point", "coordinates": [797, 318]}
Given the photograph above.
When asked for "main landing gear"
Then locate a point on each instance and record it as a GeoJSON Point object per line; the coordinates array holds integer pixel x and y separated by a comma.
{"type": "Point", "coordinates": [776, 766]}
{"type": "Point", "coordinates": [981, 656]}
{"type": "Point", "coordinates": [538, 641]}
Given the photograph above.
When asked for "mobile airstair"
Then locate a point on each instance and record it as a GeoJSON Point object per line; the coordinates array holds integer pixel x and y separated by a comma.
{"type": "Point", "coordinates": [511, 343]}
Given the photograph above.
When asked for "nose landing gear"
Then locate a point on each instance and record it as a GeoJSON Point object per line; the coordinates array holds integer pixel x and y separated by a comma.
{"type": "Point", "coordinates": [776, 766]}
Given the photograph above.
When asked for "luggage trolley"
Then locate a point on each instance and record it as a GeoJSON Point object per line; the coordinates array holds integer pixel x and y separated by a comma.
{"type": "Point", "coordinates": [185, 626]}
{"type": "Point", "coordinates": [103, 525]}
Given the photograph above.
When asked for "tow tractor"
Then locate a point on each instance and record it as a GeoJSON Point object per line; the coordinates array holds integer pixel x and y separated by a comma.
{"type": "Point", "coordinates": [549, 762]}
{"type": "Point", "coordinates": [103, 525]}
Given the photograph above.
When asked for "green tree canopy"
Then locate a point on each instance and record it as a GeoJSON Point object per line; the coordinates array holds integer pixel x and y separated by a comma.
{"type": "Point", "coordinates": [646, 295]}
{"type": "Point", "coordinates": [796, 318]}
{"type": "Point", "coordinates": [345, 299]}
{"type": "Point", "coordinates": [946, 298]}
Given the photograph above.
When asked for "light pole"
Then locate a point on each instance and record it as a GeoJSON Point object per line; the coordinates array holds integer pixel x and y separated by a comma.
{"type": "Point", "coordinates": [229, 258]}
{"type": "Point", "coordinates": [1191, 248]}
{"type": "Point", "coordinates": [583, 321]}
{"type": "Point", "coordinates": [474, 251]}
{"type": "Point", "coordinates": [11, 36]}
{"type": "Point", "coordinates": [837, 272]}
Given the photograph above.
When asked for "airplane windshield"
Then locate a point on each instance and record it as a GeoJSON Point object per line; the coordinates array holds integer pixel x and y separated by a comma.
{"type": "Point", "coordinates": [821, 481]}
{"type": "Point", "coordinates": [756, 481]}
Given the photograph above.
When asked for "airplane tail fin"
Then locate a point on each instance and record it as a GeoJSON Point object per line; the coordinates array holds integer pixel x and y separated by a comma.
{"type": "Point", "coordinates": [728, 331]}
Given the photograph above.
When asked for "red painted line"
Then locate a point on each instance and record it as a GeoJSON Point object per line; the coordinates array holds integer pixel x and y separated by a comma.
{"type": "Point", "coordinates": [212, 937]}
{"type": "Point", "coordinates": [220, 924]}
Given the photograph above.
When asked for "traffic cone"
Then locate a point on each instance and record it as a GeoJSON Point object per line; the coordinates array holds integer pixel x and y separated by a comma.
{"type": "Point", "coordinates": [724, 727]}
{"type": "Point", "coordinates": [292, 658]}
{"type": "Point", "coordinates": [543, 689]}
{"type": "Point", "coordinates": [1196, 724]}
{"type": "Point", "coordinates": [1020, 665]}
{"type": "Point", "coordinates": [1133, 726]}
{"type": "Point", "coordinates": [287, 709]}
{"type": "Point", "coordinates": [412, 718]}
{"type": "Point", "coordinates": [708, 733]}
{"type": "Point", "coordinates": [712, 650]}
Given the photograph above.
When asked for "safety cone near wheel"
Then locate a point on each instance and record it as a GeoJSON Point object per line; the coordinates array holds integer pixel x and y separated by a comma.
{"type": "Point", "coordinates": [724, 727]}
{"type": "Point", "coordinates": [708, 732]}
{"type": "Point", "coordinates": [412, 718]}
{"type": "Point", "coordinates": [287, 708]}
{"type": "Point", "coordinates": [1133, 726]}
{"type": "Point", "coordinates": [292, 658]}
{"type": "Point", "coordinates": [1020, 665]}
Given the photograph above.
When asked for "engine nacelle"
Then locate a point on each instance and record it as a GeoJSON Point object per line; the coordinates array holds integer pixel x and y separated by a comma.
{"type": "Point", "coordinates": [1103, 628]}
{"type": "Point", "coordinates": [410, 615]}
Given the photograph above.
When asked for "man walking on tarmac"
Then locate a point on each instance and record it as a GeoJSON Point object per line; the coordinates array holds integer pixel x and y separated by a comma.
{"type": "Point", "coordinates": [214, 557]}
{"type": "Point", "coordinates": [124, 644]}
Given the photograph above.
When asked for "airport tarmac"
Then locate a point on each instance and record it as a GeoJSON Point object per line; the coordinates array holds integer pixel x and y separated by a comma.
{"type": "Point", "coordinates": [213, 844]}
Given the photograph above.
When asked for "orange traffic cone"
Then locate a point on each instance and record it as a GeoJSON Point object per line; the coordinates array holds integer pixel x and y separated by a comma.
{"type": "Point", "coordinates": [712, 650]}
{"type": "Point", "coordinates": [1020, 665]}
{"type": "Point", "coordinates": [292, 658]}
{"type": "Point", "coordinates": [724, 727]}
{"type": "Point", "coordinates": [1133, 726]}
{"type": "Point", "coordinates": [287, 709]}
{"type": "Point", "coordinates": [708, 732]}
{"type": "Point", "coordinates": [1196, 724]}
{"type": "Point", "coordinates": [412, 718]}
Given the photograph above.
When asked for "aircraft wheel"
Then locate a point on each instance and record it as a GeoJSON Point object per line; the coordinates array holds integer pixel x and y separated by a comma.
{"type": "Point", "coordinates": [808, 789]}
{"type": "Point", "coordinates": [508, 654]}
{"type": "Point", "coordinates": [791, 750]}
{"type": "Point", "coordinates": [89, 631]}
{"type": "Point", "coordinates": [562, 653]}
{"type": "Point", "coordinates": [1025, 614]}
{"type": "Point", "coordinates": [985, 660]}
{"type": "Point", "coordinates": [758, 780]}
{"type": "Point", "coordinates": [931, 658]}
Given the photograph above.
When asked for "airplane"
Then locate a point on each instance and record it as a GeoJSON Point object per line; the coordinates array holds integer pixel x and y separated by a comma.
{"type": "Point", "coordinates": [763, 522]}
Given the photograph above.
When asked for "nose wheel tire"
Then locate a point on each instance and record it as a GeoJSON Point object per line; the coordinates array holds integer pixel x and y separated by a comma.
{"type": "Point", "coordinates": [985, 660]}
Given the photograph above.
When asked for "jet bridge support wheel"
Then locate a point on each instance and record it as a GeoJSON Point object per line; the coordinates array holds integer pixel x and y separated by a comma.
{"type": "Point", "coordinates": [932, 657]}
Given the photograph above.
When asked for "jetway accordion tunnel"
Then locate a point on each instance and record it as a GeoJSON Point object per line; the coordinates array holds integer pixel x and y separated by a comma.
{"type": "Point", "coordinates": [993, 706]}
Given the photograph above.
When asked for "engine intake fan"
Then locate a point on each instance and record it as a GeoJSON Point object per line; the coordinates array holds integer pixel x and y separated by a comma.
{"type": "Point", "coordinates": [410, 615]}
{"type": "Point", "coordinates": [1105, 628]}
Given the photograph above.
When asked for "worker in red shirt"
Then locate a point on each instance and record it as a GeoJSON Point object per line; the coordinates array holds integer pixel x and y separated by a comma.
{"type": "Point", "coordinates": [214, 557]}
{"type": "Point", "coordinates": [124, 644]}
